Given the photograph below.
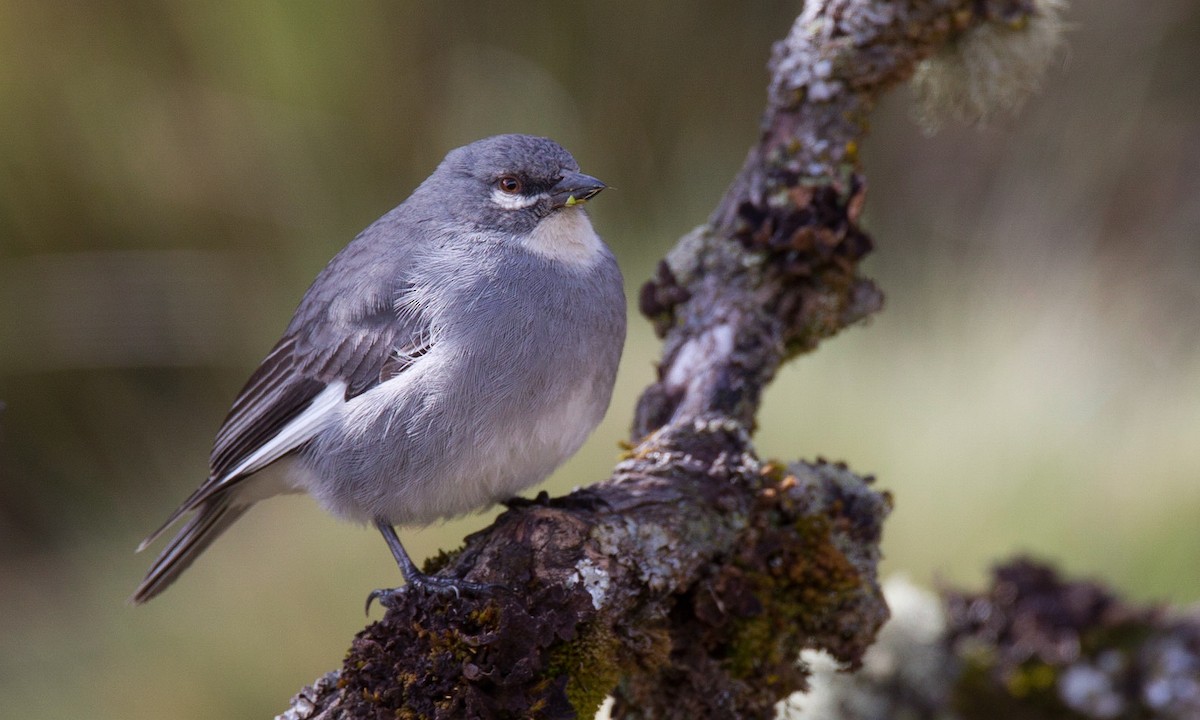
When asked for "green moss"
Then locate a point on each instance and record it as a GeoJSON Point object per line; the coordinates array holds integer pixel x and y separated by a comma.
{"type": "Point", "coordinates": [590, 664]}
{"type": "Point", "coordinates": [1028, 692]}
{"type": "Point", "coordinates": [797, 590]}
{"type": "Point", "coordinates": [751, 637]}
{"type": "Point", "coordinates": [1126, 637]}
{"type": "Point", "coordinates": [443, 558]}
{"type": "Point", "coordinates": [1031, 678]}
{"type": "Point", "coordinates": [488, 616]}
{"type": "Point", "coordinates": [774, 471]}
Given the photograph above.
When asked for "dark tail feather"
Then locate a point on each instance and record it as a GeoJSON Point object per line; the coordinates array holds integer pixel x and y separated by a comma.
{"type": "Point", "coordinates": [187, 505]}
{"type": "Point", "coordinates": [211, 518]}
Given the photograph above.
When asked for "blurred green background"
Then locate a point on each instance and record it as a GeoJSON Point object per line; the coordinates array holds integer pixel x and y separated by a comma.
{"type": "Point", "coordinates": [172, 176]}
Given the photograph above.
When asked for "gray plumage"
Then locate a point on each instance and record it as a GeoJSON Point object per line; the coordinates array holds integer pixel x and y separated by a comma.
{"type": "Point", "coordinates": [457, 351]}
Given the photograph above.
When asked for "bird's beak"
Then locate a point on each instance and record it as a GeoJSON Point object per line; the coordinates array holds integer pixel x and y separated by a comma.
{"type": "Point", "coordinates": [575, 189]}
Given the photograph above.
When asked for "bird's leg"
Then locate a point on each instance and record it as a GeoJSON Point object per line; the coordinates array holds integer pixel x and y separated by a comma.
{"type": "Point", "coordinates": [414, 577]}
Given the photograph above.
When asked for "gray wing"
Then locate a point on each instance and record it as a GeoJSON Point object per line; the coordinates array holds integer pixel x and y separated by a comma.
{"type": "Point", "coordinates": [331, 340]}
{"type": "Point", "coordinates": [376, 346]}
{"type": "Point", "coordinates": [357, 326]}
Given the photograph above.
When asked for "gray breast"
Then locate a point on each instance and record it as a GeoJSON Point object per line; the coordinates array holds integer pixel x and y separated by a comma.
{"type": "Point", "coordinates": [525, 354]}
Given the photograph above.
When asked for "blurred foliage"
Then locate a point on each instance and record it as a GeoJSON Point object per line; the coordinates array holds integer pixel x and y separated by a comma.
{"type": "Point", "coordinates": [172, 175]}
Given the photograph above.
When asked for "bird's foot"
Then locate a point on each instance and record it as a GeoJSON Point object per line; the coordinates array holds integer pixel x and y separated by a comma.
{"type": "Point", "coordinates": [516, 501]}
{"type": "Point", "coordinates": [435, 584]}
{"type": "Point", "coordinates": [586, 500]}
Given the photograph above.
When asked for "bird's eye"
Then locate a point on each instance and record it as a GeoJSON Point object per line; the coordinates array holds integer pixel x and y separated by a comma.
{"type": "Point", "coordinates": [509, 184]}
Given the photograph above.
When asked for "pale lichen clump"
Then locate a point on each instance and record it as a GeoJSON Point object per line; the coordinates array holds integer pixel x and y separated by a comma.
{"type": "Point", "coordinates": [1032, 645]}
{"type": "Point", "coordinates": [908, 654]}
{"type": "Point", "coordinates": [992, 68]}
{"type": "Point", "coordinates": [595, 580]}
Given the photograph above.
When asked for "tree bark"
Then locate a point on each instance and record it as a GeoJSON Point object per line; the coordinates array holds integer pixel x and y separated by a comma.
{"type": "Point", "coordinates": [688, 583]}
{"type": "Point", "coordinates": [1033, 646]}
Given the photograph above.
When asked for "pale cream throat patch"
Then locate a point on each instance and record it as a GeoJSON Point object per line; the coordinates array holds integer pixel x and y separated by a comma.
{"type": "Point", "coordinates": [566, 236]}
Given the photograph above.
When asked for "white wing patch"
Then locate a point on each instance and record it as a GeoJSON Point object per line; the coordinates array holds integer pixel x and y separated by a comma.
{"type": "Point", "coordinates": [508, 201]}
{"type": "Point", "coordinates": [300, 430]}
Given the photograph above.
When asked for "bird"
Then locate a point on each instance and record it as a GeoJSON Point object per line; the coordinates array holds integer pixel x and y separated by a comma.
{"type": "Point", "coordinates": [456, 352]}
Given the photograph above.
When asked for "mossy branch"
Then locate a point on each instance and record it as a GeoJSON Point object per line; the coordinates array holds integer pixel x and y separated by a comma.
{"type": "Point", "coordinates": [687, 584]}
{"type": "Point", "coordinates": [1033, 644]}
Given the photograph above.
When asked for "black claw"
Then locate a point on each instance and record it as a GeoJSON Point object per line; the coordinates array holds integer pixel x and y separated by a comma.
{"type": "Point", "coordinates": [384, 595]}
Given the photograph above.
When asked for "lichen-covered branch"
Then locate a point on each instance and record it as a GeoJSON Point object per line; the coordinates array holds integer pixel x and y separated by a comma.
{"type": "Point", "coordinates": [691, 580]}
{"type": "Point", "coordinates": [688, 583]}
{"type": "Point", "coordinates": [775, 269]}
{"type": "Point", "coordinates": [1031, 645]}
